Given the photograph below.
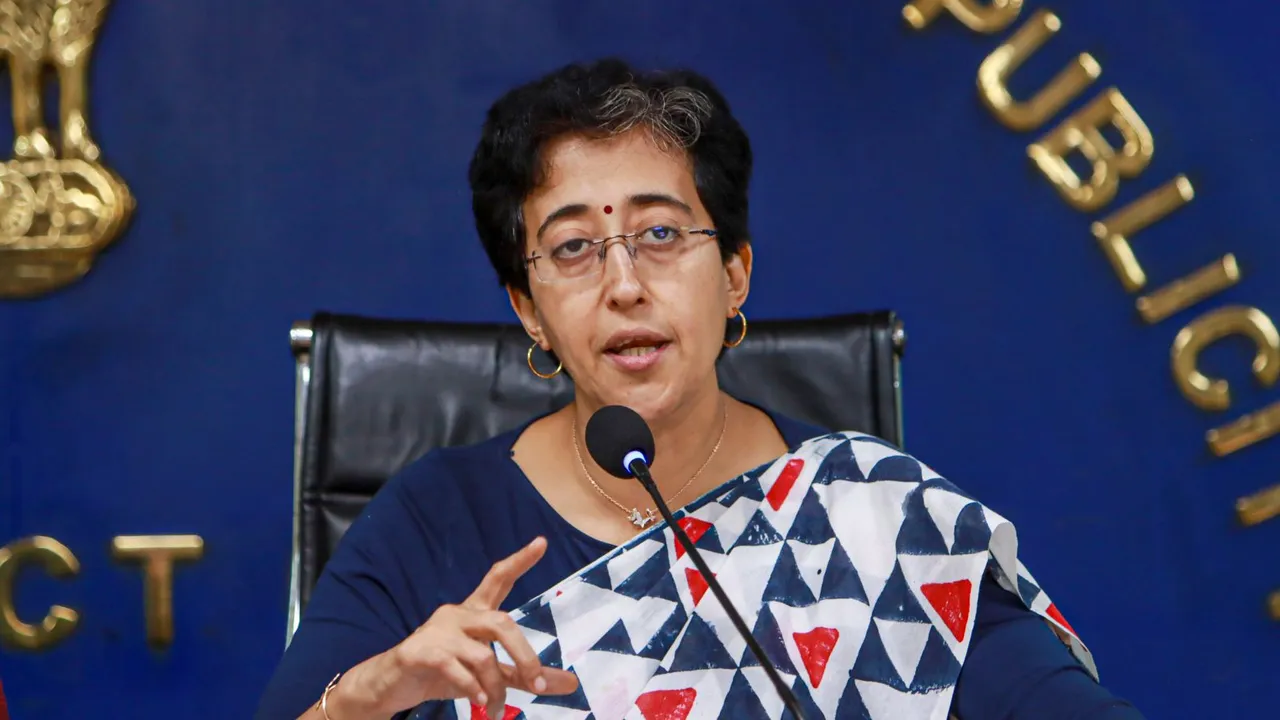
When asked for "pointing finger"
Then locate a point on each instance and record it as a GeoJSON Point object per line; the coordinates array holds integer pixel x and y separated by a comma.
{"type": "Point", "coordinates": [495, 586]}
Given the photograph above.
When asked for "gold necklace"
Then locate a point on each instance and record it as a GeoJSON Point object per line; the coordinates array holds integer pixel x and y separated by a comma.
{"type": "Point", "coordinates": [642, 520]}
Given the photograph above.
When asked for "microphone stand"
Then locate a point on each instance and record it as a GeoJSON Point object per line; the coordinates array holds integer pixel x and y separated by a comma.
{"type": "Point", "coordinates": [640, 470]}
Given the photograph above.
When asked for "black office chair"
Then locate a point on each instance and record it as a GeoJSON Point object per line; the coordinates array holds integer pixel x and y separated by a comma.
{"type": "Point", "coordinates": [374, 395]}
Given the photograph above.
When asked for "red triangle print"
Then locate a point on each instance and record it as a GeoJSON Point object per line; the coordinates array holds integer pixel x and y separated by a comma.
{"type": "Point", "coordinates": [1053, 612]}
{"type": "Point", "coordinates": [666, 704]}
{"type": "Point", "coordinates": [815, 649]}
{"type": "Point", "coordinates": [697, 584]}
{"type": "Point", "coordinates": [477, 713]}
{"type": "Point", "coordinates": [786, 480]}
{"type": "Point", "coordinates": [951, 602]}
{"type": "Point", "coordinates": [694, 528]}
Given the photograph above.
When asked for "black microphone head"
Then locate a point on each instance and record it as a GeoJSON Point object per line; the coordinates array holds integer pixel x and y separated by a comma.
{"type": "Point", "coordinates": [614, 433]}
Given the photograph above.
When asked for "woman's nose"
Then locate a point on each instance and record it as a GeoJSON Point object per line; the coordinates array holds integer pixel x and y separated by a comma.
{"type": "Point", "coordinates": [622, 284]}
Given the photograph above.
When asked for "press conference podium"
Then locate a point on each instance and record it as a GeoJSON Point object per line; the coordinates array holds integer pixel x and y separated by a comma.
{"type": "Point", "coordinates": [373, 395]}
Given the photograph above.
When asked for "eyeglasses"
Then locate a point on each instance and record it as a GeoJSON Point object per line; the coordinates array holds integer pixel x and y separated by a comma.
{"type": "Point", "coordinates": [654, 248]}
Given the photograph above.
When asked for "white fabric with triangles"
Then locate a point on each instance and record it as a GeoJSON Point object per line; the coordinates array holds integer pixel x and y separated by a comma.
{"type": "Point", "coordinates": [856, 565]}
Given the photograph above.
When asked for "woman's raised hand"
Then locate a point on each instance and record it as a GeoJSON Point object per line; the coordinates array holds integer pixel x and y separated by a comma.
{"type": "Point", "coordinates": [451, 656]}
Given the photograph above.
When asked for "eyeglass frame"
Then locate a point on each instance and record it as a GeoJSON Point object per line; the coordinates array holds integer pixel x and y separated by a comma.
{"type": "Point", "coordinates": [602, 253]}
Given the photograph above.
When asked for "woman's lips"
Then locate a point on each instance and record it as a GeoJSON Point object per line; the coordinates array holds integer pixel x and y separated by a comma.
{"type": "Point", "coordinates": [639, 358]}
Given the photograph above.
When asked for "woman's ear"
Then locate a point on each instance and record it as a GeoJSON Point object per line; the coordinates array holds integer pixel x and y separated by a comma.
{"type": "Point", "coordinates": [738, 279]}
{"type": "Point", "coordinates": [525, 309]}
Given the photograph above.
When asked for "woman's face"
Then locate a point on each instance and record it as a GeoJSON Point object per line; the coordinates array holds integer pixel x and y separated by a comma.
{"type": "Point", "coordinates": [671, 316]}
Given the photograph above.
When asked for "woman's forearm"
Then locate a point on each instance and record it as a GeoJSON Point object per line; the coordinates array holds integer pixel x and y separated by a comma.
{"type": "Point", "coordinates": [354, 696]}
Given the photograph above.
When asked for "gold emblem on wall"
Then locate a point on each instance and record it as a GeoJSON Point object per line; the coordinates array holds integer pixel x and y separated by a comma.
{"type": "Point", "coordinates": [59, 205]}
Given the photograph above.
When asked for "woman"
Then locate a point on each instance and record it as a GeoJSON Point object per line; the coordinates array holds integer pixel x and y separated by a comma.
{"type": "Point", "coordinates": [613, 206]}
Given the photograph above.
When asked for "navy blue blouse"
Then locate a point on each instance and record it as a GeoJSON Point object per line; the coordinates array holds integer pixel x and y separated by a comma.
{"type": "Point", "coordinates": [434, 530]}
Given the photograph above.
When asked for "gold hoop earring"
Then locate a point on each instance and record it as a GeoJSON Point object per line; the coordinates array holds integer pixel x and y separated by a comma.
{"type": "Point", "coordinates": [534, 370]}
{"type": "Point", "coordinates": [742, 335]}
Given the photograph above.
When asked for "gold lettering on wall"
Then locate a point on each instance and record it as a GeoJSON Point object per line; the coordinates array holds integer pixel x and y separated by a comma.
{"type": "Point", "coordinates": [58, 561]}
{"type": "Point", "coordinates": [1114, 232]}
{"type": "Point", "coordinates": [1215, 394]}
{"type": "Point", "coordinates": [1080, 132]}
{"type": "Point", "coordinates": [157, 553]}
{"type": "Point", "coordinates": [1248, 430]}
{"type": "Point", "coordinates": [1189, 290]}
{"type": "Point", "coordinates": [1259, 507]}
{"type": "Point", "coordinates": [1068, 84]}
{"type": "Point", "coordinates": [988, 18]}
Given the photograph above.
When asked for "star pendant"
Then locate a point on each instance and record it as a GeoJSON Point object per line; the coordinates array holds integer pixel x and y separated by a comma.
{"type": "Point", "coordinates": [643, 521]}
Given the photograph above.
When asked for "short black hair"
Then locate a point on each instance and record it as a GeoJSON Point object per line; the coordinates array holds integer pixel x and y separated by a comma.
{"type": "Point", "coordinates": [600, 99]}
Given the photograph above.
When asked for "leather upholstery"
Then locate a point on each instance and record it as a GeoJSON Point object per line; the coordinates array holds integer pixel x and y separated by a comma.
{"type": "Point", "coordinates": [384, 392]}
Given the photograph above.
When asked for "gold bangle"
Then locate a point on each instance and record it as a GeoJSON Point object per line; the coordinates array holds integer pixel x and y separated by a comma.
{"type": "Point", "coordinates": [324, 697]}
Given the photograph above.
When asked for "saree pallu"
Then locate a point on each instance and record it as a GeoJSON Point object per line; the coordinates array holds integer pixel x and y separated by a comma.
{"type": "Point", "coordinates": [856, 566]}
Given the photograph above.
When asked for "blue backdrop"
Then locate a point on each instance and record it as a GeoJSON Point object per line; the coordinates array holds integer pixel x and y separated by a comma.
{"type": "Point", "coordinates": [305, 154]}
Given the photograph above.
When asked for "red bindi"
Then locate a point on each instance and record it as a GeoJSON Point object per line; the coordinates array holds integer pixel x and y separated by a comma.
{"type": "Point", "coordinates": [608, 209]}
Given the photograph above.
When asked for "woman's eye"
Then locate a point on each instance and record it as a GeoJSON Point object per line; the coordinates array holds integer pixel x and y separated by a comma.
{"type": "Point", "coordinates": [660, 234]}
{"type": "Point", "coordinates": [570, 249]}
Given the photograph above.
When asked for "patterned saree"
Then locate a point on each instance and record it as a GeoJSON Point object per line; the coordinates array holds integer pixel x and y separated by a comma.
{"type": "Point", "coordinates": [856, 566]}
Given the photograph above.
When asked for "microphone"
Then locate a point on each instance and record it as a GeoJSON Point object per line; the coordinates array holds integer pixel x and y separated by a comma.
{"type": "Point", "coordinates": [621, 442]}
